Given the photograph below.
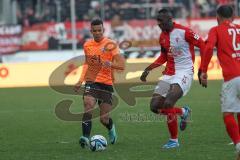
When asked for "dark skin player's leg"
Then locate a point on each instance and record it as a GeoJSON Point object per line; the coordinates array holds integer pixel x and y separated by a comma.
{"type": "Point", "coordinates": [159, 102]}
{"type": "Point", "coordinates": [156, 103]}
{"type": "Point", "coordinates": [162, 105]}
{"type": "Point", "coordinates": [173, 95]}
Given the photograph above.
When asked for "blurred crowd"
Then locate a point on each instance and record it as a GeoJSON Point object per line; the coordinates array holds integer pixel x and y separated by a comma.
{"type": "Point", "coordinates": [30, 12]}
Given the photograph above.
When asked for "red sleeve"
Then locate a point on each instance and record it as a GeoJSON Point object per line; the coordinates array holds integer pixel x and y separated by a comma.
{"type": "Point", "coordinates": [195, 40]}
{"type": "Point", "coordinates": [208, 51]}
{"type": "Point", "coordinates": [158, 62]}
{"type": "Point", "coordinates": [162, 58]}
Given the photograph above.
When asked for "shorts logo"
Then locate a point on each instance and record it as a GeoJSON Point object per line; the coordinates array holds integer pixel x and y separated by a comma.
{"type": "Point", "coordinates": [87, 89]}
{"type": "Point", "coordinates": [184, 80]}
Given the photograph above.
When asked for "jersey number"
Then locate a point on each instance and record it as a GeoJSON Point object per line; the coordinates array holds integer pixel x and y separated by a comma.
{"type": "Point", "coordinates": [234, 32]}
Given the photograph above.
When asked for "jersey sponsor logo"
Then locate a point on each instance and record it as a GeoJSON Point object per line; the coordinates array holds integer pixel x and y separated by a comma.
{"type": "Point", "coordinates": [174, 51]}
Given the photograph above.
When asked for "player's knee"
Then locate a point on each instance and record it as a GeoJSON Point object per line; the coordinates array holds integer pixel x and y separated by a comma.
{"type": "Point", "coordinates": [88, 105]}
{"type": "Point", "coordinates": [168, 103]}
{"type": "Point", "coordinates": [154, 107]}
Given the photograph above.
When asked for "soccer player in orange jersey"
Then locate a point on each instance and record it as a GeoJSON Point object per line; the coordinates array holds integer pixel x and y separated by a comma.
{"type": "Point", "coordinates": [226, 38]}
{"type": "Point", "coordinates": [101, 58]}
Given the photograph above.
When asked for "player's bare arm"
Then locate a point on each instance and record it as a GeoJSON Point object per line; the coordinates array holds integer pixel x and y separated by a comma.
{"type": "Point", "coordinates": [158, 62]}
{"type": "Point", "coordinates": [118, 63]}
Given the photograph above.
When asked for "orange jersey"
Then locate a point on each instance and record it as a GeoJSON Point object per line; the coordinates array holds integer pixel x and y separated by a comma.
{"type": "Point", "coordinates": [95, 54]}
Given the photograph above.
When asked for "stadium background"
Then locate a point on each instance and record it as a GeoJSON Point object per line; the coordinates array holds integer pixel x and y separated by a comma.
{"type": "Point", "coordinates": [38, 37]}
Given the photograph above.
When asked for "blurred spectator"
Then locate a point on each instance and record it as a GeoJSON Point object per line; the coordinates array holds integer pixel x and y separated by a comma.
{"type": "Point", "coordinates": [225, 1]}
{"type": "Point", "coordinates": [30, 16]}
{"type": "Point", "coordinates": [212, 8]}
{"type": "Point", "coordinates": [116, 21]}
{"type": "Point", "coordinates": [36, 11]}
{"type": "Point", "coordinates": [117, 28]}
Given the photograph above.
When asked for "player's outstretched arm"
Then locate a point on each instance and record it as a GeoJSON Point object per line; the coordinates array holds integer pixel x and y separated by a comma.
{"type": "Point", "coordinates": [118, 62]}
{"type": "Point", "coordinates": [158, 62]}
{"type": "Point", "coordinates": [207, 55]}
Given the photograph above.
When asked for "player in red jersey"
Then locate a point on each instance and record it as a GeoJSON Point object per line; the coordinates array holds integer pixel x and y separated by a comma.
{"type": "Point", "coordinates": [226, 38]}
{"type": "Point", "coordinates": [177, 49]}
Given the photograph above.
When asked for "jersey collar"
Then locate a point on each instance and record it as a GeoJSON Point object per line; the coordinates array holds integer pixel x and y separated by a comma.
{"type": "Point", "coordinates": [226, 22]}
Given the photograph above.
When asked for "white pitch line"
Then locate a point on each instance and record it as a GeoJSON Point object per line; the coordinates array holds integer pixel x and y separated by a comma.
{"type": "Point", "coordinates": [231, 143]}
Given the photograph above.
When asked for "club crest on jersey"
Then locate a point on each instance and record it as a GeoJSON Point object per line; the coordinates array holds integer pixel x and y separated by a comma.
{"type": "Point", "coordinates": [103, 50]}
{"type": "Point", "coordinates": [177, 39]}
{"type": "Point", "coordinates": [88, 49]}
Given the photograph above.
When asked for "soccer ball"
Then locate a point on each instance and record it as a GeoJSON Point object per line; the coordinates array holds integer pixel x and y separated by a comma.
{"type": "Point", "coordinates": [98, 143]}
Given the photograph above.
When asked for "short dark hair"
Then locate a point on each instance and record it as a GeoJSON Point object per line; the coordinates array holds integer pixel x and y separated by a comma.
{"type": "Point", "coordinates": [96, 22]}
{"type": "Point", "coordinates": [225, 11]}
{"type": "Point", "coordinates": [165, 11]}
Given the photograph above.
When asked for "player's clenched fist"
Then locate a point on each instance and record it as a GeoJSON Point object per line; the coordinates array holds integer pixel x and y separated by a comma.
{"type": "Point", "coordinates": [203, 78]}
{"type": "Point", "coordinates": [144, 75]}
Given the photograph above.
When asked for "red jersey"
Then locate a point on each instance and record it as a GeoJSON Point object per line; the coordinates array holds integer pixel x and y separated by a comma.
{"type": "Point", "coordinates": [226, 37]}
{"type": "Point", "coordinates": [177, 49]}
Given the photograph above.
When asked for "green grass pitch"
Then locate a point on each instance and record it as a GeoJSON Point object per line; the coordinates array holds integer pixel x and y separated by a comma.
{"type": "Point", "coordinates": [30, 130]}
